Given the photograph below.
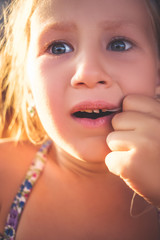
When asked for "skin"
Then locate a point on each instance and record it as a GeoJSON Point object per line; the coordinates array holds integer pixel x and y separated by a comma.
{"type": "Point", "coordinates": [83, 200]}
{"type": "Point", "coordinates": [135, 152]}
{"type": "Point", "coordinates": [87, 62]}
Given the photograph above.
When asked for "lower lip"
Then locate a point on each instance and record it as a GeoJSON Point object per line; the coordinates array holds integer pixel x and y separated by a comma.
{"type": "Point", "coordinates": [94, 123]}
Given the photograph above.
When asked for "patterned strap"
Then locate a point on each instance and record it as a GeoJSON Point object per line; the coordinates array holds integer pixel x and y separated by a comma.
{"type": "Point", "coordinates": [24, 192]}
{"type": "Point", "coordinates": [158, 211]}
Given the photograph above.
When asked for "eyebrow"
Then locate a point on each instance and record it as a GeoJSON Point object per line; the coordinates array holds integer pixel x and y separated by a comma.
{"type": "Point", "coordinates": [109, 25]}
{"type": "Point", "coordinates": [64, 26]}
{"type": "Point", "coordinates": [69, 26]}
{"type": "Point", "coordinates": [60, 26]}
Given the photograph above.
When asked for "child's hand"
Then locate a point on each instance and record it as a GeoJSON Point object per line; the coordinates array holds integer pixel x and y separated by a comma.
{"type": "Point", "coordinates": [135, 146]}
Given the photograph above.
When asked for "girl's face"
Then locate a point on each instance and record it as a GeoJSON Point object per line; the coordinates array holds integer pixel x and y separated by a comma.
{"type": "Point", "coordinates": [85, 56]}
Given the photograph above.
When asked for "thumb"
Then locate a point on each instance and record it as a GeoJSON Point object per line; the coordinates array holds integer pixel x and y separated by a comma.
{"type": "Point", "coordinates": [117, 163]}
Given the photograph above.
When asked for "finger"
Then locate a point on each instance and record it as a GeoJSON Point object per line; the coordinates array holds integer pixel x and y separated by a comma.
{"type": "Point", "coordinates": [117, 162]}
{"type": "Point", "coordinates": [143, 104]}
{"type": "Point", "coordinates": [133, 120]}
{"type": "Point", "coordinates": [138, 178]}
{"type": "Point", "coordinates": [122, 140]}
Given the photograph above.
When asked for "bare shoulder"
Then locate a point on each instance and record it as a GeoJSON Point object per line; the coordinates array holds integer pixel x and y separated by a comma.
{"type": "Point", "coordinates": [15, 154]}
{"type": "Point", "coordinates": [15, 159]}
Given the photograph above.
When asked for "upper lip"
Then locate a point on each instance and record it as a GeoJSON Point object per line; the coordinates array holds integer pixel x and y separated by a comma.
{"type": "Point", "coordinates": [88, 105]}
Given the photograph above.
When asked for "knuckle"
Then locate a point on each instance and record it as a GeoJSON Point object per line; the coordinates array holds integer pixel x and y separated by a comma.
{"type": "Point", "coordinates": [130, 165]}
{"type": "Point", "coordinates": [116, 120]}
{"type": "Point", "coordinates": [127, 101]}
{"type": "Point", "coordinates": [153, 123]}
{"type": "Point", "coordinates": [110, 138]}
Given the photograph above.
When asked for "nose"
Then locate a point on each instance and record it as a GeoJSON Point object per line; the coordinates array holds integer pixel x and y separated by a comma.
{"type": "Point", "coordinates": [90, 74]}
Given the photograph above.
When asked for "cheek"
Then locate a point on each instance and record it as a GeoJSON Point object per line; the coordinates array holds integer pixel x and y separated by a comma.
{"type": "Point", "coordinates": [138, 77]}
{"type": "Point", "coordinates": [48, 91]}
{"type": "Point", "coordinates": [45, 79]}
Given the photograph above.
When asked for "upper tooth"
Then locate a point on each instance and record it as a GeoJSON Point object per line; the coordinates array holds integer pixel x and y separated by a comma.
{"type": "Point", "coordinates": [100, 110]}
{"type": "Point", "coordinates": [88, 111]}
{"type": "Point", "coordinates": [96, 111]}
{"type": "Point", "coordinates": [104, 110]}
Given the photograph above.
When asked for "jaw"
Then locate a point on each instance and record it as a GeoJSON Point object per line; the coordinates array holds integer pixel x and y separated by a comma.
{"type": "Point", "coordinates": [85, 161]}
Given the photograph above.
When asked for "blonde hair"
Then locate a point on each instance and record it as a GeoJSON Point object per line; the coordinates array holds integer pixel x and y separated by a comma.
{"type": "Point", "coordinates": [154, 9]}
{"type": "Point", "coordinates": [15, 120]}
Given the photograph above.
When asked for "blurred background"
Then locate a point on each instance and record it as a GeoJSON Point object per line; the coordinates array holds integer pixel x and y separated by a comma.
{"type": "Point", "coordinates": [2, 3]}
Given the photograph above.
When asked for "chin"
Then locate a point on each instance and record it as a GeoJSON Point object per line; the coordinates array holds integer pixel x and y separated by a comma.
{"type": "Point", "coordinates": [93, 157]}
{"type": "Point", "coordinates": [94, 154]}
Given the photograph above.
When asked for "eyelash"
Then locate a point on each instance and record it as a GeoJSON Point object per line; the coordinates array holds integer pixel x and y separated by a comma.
{"type": "Point", "coordinates": [123, 41]}
{"type": "Point", "coordinates": [67, 48]}
{"type": "Point", "coordinates": [58, 45]}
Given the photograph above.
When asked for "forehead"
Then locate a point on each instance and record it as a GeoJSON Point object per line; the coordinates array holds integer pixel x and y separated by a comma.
{"type": "Point", "coordinates": [72, 10]}
{"type": "Point", "coordinates": [79, 14]}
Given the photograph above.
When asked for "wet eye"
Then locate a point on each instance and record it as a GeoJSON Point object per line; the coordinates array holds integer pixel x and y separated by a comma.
{"type": "Point", "coordinates": [59, 48]}
{"type": "Point", "coordinates": [119, 45]}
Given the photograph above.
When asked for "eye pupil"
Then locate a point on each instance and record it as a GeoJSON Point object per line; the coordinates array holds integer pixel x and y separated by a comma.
{"type": "Point", "coordinates": [118, 46]}
{"type": "Point", "coordinates": [58, 49]}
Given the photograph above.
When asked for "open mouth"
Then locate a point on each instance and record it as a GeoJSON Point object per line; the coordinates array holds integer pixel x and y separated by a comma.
{"type": "Point", "coordinates": [95, 113]}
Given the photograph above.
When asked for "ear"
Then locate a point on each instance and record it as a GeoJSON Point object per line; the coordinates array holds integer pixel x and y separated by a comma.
{"type": "Point", "coordinates": [157, 90]}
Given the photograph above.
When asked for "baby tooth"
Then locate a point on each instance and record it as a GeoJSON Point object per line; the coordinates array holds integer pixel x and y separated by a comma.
{"type": "Point", "coordinates": [104, 110]}
{"type": "Point", "coordinates": [88, 111]}
{"type": "Point", "coordinates": [96, 111]}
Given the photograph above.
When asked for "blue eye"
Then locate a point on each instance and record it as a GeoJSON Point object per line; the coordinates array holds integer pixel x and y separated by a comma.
{"type": "Point", "coordinates": [119, 45]}
{"type": "Point", "coordinates": [58, 48]}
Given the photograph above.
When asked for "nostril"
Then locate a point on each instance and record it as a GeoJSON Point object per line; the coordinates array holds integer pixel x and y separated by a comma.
{"type": "Point", "coordinates": [80, 83]}
{"type": "Point", "coordinates": [102, 82]}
